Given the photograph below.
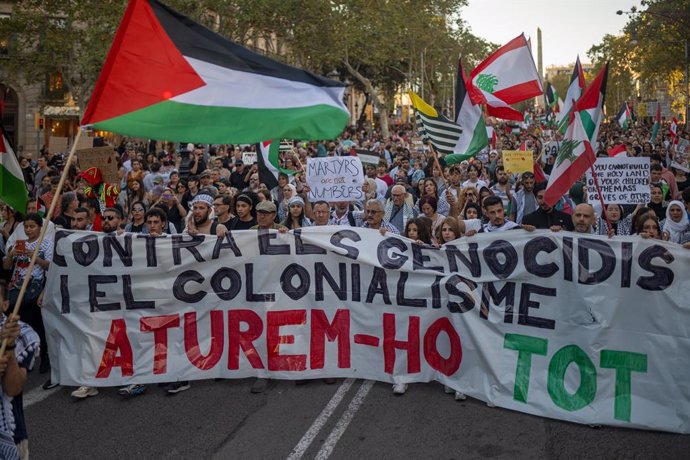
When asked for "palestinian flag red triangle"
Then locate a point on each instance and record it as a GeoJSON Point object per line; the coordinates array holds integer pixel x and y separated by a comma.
{"type": "Point", "coordinates": [143, 68]}
{"type": "Point", "coordinates": [167, 77]}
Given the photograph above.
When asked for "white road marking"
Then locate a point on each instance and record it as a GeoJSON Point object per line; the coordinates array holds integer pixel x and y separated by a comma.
{"type": "Point", "coordinates": [345, 419]}
{"type": "Point", "coordinates": [320, 421]}
{"type": "Point", "coordinates": [37, 395]}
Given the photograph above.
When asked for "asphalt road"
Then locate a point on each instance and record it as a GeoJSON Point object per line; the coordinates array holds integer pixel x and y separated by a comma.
{"type": "Point", "coordinates": [351, 419]}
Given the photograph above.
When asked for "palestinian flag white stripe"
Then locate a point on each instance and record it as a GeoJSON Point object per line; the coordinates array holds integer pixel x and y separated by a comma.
{"type": "Point", "coordinates": [442, 135]}
{"type": "Point", "coordinates": [233, 88]}
{"type": "Point", "coordinates": [12, 186]}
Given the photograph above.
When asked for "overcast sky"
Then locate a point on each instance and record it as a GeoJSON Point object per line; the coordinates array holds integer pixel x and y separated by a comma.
{"type": "Point", "coordinates": [568, 27]}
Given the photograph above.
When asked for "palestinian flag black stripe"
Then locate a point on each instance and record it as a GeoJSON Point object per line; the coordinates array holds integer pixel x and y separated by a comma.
{"type": "Point", "coordinates": [167, 77]}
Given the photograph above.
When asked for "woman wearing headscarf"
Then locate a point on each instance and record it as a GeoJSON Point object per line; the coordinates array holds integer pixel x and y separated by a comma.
{"type": "Point", "coordinates": [676, 222]}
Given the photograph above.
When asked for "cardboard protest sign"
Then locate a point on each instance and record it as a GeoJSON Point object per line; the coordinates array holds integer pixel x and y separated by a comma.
{"type": "Point", "coordinates": [85, 142]}
{"type": "Point", "coordinates": [58, 144]}
{"type": "Point", "coordinates": [518, 161]}
{"type": "Point", "coordinates": [248, 158]}
{"type": "Point", "coordinates": [335, 178]}
{"type": "Point", "coordinates": [622, 180]}
{"type": "Point", "coordinates": [103, 158]}
{"type": "Point", "coordinates": [574, 327]}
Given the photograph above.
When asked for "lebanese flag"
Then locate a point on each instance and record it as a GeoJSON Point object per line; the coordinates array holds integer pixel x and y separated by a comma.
{"type": "Point", "coordinates": [575, 89]}
{"type": "Point", "coordinates": [616, 150]}
{"type": "Point", "coordinates": [506, 77]}
{"type": "Point", "coordinates": [12, 186]}
{"type": "Point", "coordinates": [167, 77]}
{"type": "Point", "coordinates": [575, 156]}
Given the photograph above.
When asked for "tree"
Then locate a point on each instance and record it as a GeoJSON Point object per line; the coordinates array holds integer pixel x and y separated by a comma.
{"type": "Point", "coordinates": [617, 51]}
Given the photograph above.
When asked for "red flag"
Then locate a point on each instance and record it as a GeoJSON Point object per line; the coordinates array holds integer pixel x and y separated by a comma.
{"type": "Point", "coordinates": [616, 150]}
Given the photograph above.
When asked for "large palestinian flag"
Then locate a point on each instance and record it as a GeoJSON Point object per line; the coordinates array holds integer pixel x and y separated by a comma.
{"type": "Point", "coordinates": [167, 77]}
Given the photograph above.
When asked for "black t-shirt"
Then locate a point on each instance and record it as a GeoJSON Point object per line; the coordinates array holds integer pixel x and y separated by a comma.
{"type": "Point", "coordinates": [545, 220]}
{"type": "Point", "coordinates": [63, 221]}
{"type": "Point", "coordinates": [236, 224]}
{"type": "Point", "coordinates": [237, 180]}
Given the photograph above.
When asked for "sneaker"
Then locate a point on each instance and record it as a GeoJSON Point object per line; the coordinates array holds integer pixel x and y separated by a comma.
{"type": "Point", "coordinates": [49, 385]}
{"type": "Point", "coordinates": [490, 404]}
{"type": "Point", "coordinates": [460, 396]}
{"type": "Point", "coordinates": [132, 390]}
{"type": "Point", "coordinates": [84, 392]}
{"type": "Point", "coordinates": [399, 388]}
{"type": "Point", "coordinates": [177, 387]}
{"type": "Point", "coordinates": [448, 390]}
{"type": "Point", "coordinates": [259, 385]}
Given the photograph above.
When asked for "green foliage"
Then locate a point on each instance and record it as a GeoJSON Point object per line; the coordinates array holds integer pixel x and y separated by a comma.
{"type": "Point", "coordinates": [378, 45]}
{"type": "Point", "coordinates": [618, 51]}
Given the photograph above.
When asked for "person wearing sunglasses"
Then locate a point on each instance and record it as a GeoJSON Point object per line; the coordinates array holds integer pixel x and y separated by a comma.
{"type": "Point", "coordinates": [137, 222]}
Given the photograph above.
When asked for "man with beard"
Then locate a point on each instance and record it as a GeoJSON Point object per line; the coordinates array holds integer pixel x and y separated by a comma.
{"type": "Point", "coordinates": [502, 187]}
{"type": "Point", "coordinates": [201, 223]}
{"type": "Point", "coordinates": [523, 201]}
{"type": "Point", "coordinates": [80, 219]}
{"type": "Point", "coordinates": [583, 218]}
{"type": "Point", "coordinates": [546, 217]}
{"type": "Point", "coordinates": [112, 218]}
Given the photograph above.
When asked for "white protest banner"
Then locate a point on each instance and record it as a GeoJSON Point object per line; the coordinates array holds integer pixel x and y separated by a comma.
{"type": "Point", "coordinates": [335, 178]}
{"type": "Point", "coordinates": [248, 158]}
{"type": "Point", "coordinates": [575, 327]}
{"type": "Point", "coordinates": [622, 180]}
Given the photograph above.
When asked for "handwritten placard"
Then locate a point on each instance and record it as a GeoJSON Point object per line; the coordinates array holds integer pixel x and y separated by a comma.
{"type": "Point", "coordinates": [335, 178]}
{"type": "Point", "coordinates": [622, 180]}
{"type": "Point", "coordinates": [518, 161]}
{"type": "Point", "coordinates": [248, 158]}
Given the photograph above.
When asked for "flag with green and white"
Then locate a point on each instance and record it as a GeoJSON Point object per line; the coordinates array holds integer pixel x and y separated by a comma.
{"type": "Point", "coordinates": [624, 117]}
{"type": "Point", "coordinates": [12, 186]}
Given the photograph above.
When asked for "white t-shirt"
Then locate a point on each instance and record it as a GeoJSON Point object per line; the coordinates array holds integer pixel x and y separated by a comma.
{"type": "Point", "coordinates": [478, 185]}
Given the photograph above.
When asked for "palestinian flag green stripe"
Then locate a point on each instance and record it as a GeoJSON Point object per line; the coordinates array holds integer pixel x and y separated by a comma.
{"type": "Point", "coordinates": [216, 124]}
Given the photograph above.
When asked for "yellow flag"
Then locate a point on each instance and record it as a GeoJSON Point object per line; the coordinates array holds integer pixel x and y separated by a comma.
{"type": "Point", "coordinates": [422, 106]}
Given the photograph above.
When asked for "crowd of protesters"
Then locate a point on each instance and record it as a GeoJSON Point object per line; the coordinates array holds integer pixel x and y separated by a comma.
{"type": "Point", "coordinates": [201, 189]}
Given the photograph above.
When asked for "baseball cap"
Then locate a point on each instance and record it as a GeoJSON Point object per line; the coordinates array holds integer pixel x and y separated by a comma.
{"type": "Point", "coordinates": [266, 206]}
{"type": "Point", "coordinates": [205, 173]}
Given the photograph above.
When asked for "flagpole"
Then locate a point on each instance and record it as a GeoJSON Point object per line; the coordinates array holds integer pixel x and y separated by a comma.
{"type": "Point", "coordinates": [601, 199]}
{"type": "Point", "coordinates": [443, 176]}
{"type": "Point", "coordinates": [42, 235]}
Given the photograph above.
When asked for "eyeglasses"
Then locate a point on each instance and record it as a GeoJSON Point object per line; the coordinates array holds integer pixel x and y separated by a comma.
{"type": "Point", "coordinates": [137, 209]}
{"type": "Point", "coordinates": [469, 194]}
{"type": "Point", "coordinates": [372, 211]}
{"type": "Point", "coordinates": [110, 217]}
